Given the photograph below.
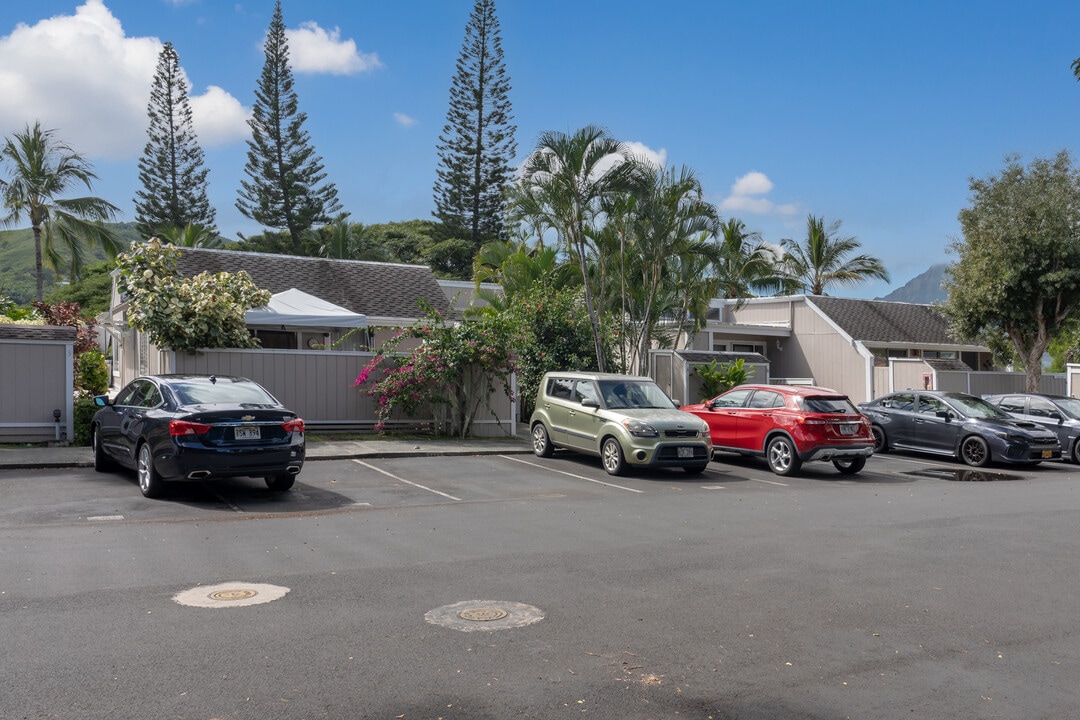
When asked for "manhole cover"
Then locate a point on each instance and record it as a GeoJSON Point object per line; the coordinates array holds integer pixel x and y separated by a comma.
{"type": "Point", "coordinates": [473, 615]}
{"type": "Point", "coordinates": [482, 614]}
{"type": "Point", "coordinates": [233, 594]}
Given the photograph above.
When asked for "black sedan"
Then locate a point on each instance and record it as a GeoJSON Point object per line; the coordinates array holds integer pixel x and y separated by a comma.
{"type": "Point", "coordinates": [1060, 415]}
{"type": "Point", "coordinates": [194, 427]}
{"type": "Point", "coordinates": [959, 425]}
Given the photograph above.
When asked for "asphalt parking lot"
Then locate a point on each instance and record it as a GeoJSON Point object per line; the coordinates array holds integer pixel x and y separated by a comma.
{"type": "Point", "coordinates": [511, 586]}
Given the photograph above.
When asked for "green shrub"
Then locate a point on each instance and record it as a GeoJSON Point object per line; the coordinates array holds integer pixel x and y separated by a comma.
{"type": "Point", "coordinates": [84, 413]}
{"type": "Point", "coordinates": [92, 373]}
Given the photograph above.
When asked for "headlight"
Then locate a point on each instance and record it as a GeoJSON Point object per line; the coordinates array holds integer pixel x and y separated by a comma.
{"type": "Point", "coordinates": [1010, 437]}
{"type": "Point", "coordinates": [638, 428]}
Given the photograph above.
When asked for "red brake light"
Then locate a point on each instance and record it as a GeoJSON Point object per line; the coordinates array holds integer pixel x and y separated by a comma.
{"type": "Point", "coordinates": [294, 425]}
{"type": "Point", "coordinates": [179, 428]}
{"type": "Point", "coordinates": [812, 421]}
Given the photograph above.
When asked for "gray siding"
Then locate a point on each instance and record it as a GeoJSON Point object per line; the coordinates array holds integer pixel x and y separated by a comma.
{"type": "Point", "coordinates": [36, 378]}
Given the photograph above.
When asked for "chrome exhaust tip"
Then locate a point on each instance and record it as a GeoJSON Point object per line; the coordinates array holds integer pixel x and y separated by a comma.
{"type": "Point", "coordinates": [198, 475]}
{"type": "Point", "coordinates": [293, 469]}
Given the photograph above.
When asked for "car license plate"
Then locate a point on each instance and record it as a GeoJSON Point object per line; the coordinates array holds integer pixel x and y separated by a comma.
{"type": "Point", "coordinates": [1048, 453]}
{"type": "Point", "coordinates": [686, 452]}
{"type": "Point", "coordinates": [246, 433]}
{"type": "Point", "coordinates": [847, 429]}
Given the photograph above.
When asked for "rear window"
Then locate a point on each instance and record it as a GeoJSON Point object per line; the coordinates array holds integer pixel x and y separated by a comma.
{"type": "Point", "coordinates": [223, 391]}
{"type": "Point", "coordinates": [823, 404]}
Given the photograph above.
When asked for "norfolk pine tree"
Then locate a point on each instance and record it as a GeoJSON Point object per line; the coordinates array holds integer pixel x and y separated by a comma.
{"type": "Point", "coordinates": [171, 170]}
{"type": "Point", "coordinates": [477, 143]}
{"type": "Point", "coordinates": [286, 188]}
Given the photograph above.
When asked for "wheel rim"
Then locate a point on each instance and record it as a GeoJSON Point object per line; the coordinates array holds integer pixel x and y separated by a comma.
{"type": "Point", "coordinates": [879, 439]}
{"type": "Point", "coordinates": [780, 455]}
{"type": "Point", "coordinates": [974, 452]}
{"type": "Point", "coordinates": [1076, 452]}
{"type": "Point", "coordinates": [144, 468]}
{"type": "Point", "coordinates": [539, 439]}
{"type": "Point", "coordinates": [611, 455]}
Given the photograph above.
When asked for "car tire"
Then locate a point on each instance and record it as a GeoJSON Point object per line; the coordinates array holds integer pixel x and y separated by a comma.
{"type": "Point", "coordinates": [782, 457]}
{"type": "Point", "coordinates": [541, 441]}
{"type": "Point", "coordinates": [1076, 451]}
{"type": "Point", "coordinates": [695, 469]}
{"type": "Point", "coordinates": [849, 466]}
{"type": "Point", "coordinates": [974, 451]}
{"type": "Point", "coordinates": [280, 483]}
{"type": "Point", "coordinates": [102, 462]}
{"type": "Point", "coordinates": [611, 455]}
{"type": "Point", "coordinates": [881, 442]}
{"type": "Point", "coordinates": [150, 482]}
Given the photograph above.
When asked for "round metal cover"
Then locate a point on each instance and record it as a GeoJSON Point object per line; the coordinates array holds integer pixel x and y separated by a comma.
{"type": "Point", "coordinates": [483, 614]}
{"type": "Point", "coordinates": [231, 594]}
{"type": "Point", "coordinates": [473, 615]}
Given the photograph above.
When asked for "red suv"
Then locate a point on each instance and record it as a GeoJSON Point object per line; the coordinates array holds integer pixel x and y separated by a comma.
{"type": "Point", "coordinates": [789, 425]}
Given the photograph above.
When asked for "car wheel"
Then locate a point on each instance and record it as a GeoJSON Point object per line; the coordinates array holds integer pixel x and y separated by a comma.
{"type": "Point", "coordinates": [695, 469]}
{"type": "Point", "coordinates": [611, 455]}
{"type": "Point", "coordinates": [783, 460]}
{"type": "Point", "coordinates": [541, 442]}
{"type": "Point", "coordinates": [1076, 451]}
{"type": "Point", "coordinates": [150, 481]}
{"type": "Point", "coordinates": [280, 483]}
{"type": "Point", "coordinates": [881, 443]}
{"type": "Point", "coordinates": [975, 452]}
{"type": "Point", "coordinates": [102, 462]}
{"type": "Point", "coordinates": [850, 466]}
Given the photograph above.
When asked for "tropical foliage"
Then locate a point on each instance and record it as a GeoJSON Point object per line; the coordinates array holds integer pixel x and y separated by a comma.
{"type": "Point", "coordinates": [40, 168]}
{"type": "Point", "coordinates": [824, 259]}
{"type": "Point", "coordinates": [185, 314]}
{"type": "Point", "coordinates": [454, 372]}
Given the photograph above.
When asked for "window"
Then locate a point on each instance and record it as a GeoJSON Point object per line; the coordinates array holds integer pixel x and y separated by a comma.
{"type": "Point", "coordinates": [942, 354]}
{"type": "Point", "coordinates": [931, 405]}
{"type": "Point", "coordinates": [1012, 404]}
{"type": "Point", "coordinates": [735, 398]}
{"type": "Point", "coordinates": [900, 401]}
{"type": "Point", "coordinates": [748, 348]}
{"type": "Point", "coordinates": [764, 399]}
{"type": "Point", "coordinates": [719, 346]}
{"type": "Point", "coordinates": [560, 388]}
{"type": "Point", "coordinates": [1042, 408]}
{"type": "Point", "coordinates": [585, 390]}
{"type": "Point", "coordinates": [129, 395]}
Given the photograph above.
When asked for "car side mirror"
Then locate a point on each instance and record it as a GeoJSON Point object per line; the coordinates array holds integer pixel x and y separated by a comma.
{"type": "Point", "coordinates": [944, 414]}
{"type": "Point", "coordinates": [102, 400]}
{"type": "Point", "coordinates": [590, 402]}
{"type": "Point", "coordinates": [709, 405]}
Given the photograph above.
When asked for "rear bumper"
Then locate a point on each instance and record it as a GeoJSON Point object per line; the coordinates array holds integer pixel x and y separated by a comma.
{"type": "Point", "coordinates": [198, 463]}
{"type": "Point", "coordinates": [834, 452]}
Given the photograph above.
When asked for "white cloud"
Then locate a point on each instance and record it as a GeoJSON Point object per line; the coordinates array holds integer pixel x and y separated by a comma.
{"type": "Point", "coordinates": [657, 158]}
{"type": "Point", "coordinates": [82, 76]}
{"type": "Point", "coordinates": [747, 195]}
{"type": "Point", "coordinates": [404, 120]}
{"type": "Point", "coordinates": [314, 50]}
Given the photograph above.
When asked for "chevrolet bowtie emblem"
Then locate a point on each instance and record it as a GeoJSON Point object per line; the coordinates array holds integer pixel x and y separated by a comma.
{"type": "Point", "coordinates": [248, 418]}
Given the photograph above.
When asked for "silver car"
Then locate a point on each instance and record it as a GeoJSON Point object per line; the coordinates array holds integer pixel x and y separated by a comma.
{"type": "Point", "coordinates": [623, 419]}
{"type": "Point", "coordinates": [1060, 415]}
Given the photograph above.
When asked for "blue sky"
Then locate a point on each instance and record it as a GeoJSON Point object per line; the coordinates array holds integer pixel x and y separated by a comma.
{"type": "Point", "coordinates": [875, 114]}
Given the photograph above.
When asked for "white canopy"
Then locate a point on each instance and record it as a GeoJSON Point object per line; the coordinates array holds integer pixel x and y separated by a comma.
{"type": "Point", "coordinates": [296, 308]}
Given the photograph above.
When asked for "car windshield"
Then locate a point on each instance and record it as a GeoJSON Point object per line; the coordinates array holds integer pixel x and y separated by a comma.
{"type": "Point", "coordinates": [221, 392]}
{"type": "Point", "coordinates": [973, 407]}
{"type": "Point", "coordinates": [822, 404]}
{"type": "Point", "coordinates": [625, 394]}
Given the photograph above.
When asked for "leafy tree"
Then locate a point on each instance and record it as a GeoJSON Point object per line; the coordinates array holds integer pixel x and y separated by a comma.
{"type": "Point", "coordinates": [92, 292]}
{"type": "Point", "coordinates": [563, 183]}
{"type": "Point", "coordinates": [824, 259]}
{"type": "Point", "coordinates": [717, 379]}
{"type": "Point", "coordinates": [343, 240]}
{"type": "Point", "coordinates": [455, 370]}
{"type": "Point", "coordinates": [171, 170]}
{"type": "Point", "coordinates": [185, 314]}
{"type": "Point", "coordinates": [41, 168]}
{"type": "Point", "coordinates": [70, 315]}
{"type": "Point", "coordinates": [285, 188]}
{"type": "Point", "coordinates": [192, 236]}
{"type": "Point", "coordinates": [477, 144]}
{"type": "Point", "coordinates": [1018, 269]}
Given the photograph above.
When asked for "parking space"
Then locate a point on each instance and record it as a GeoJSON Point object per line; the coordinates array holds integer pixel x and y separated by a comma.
{"type": "Point", "coordinates": [83, 495]}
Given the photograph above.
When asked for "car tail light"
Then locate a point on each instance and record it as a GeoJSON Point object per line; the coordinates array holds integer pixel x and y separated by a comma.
{"type": "Point", "coordinates": [813, 421]}
{"type": "Point", "coordinates": [294, 425]}
{"type": "Point", "coordinates": [178, 428]}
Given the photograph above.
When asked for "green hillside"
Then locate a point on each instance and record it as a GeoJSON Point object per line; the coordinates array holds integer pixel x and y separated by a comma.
{"type": "Point", "coordinates": [17, 280]}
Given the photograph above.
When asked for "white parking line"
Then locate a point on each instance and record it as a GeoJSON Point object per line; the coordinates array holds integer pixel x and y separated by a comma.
{"type": "Point", "coordinates": [713, 487]}
{"type": "Point", "coordinates": [771, 482]}
{"type": "Point", "coordinates": [561, 472]}
{"type": "Point", "coordinates": [407, 482]}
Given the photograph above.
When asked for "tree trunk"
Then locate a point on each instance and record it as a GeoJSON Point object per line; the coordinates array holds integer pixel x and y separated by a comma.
{"type": "Point", "coordinates": [37, 262]}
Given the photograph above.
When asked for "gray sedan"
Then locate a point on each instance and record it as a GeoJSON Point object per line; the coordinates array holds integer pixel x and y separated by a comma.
{"type": "Point", "coordinates": [1058, 414]}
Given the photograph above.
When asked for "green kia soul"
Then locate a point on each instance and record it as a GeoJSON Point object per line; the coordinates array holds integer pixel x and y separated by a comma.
{"type": "Point", "coordinates": [623, 419]}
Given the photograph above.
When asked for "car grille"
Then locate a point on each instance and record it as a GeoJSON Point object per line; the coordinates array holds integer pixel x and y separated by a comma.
{"type": "Point", "coordinates": [681, 433]}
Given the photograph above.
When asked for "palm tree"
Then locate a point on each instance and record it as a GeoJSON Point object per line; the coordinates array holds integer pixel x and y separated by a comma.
{"type": "Point", "coordinates": [823, 259]}
{"type": "Point", "coordinates": [41, 168]}
{"type": "Point", "coordinates": [192, 236]}
{"type": "Point", "coordinates": [562, 184]}
{"type": "Point", "coordinates": [745, 264]}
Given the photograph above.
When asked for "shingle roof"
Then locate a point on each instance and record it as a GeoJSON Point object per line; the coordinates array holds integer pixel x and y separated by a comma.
{"type": "Point", "coordinates": [883, 321]}
{"type": "Point", "coordinates": [37, 332]}
{"type": "Point", "coordinates": [374, 289]}
{"type": "Point", "coordinates": [704, 356]}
